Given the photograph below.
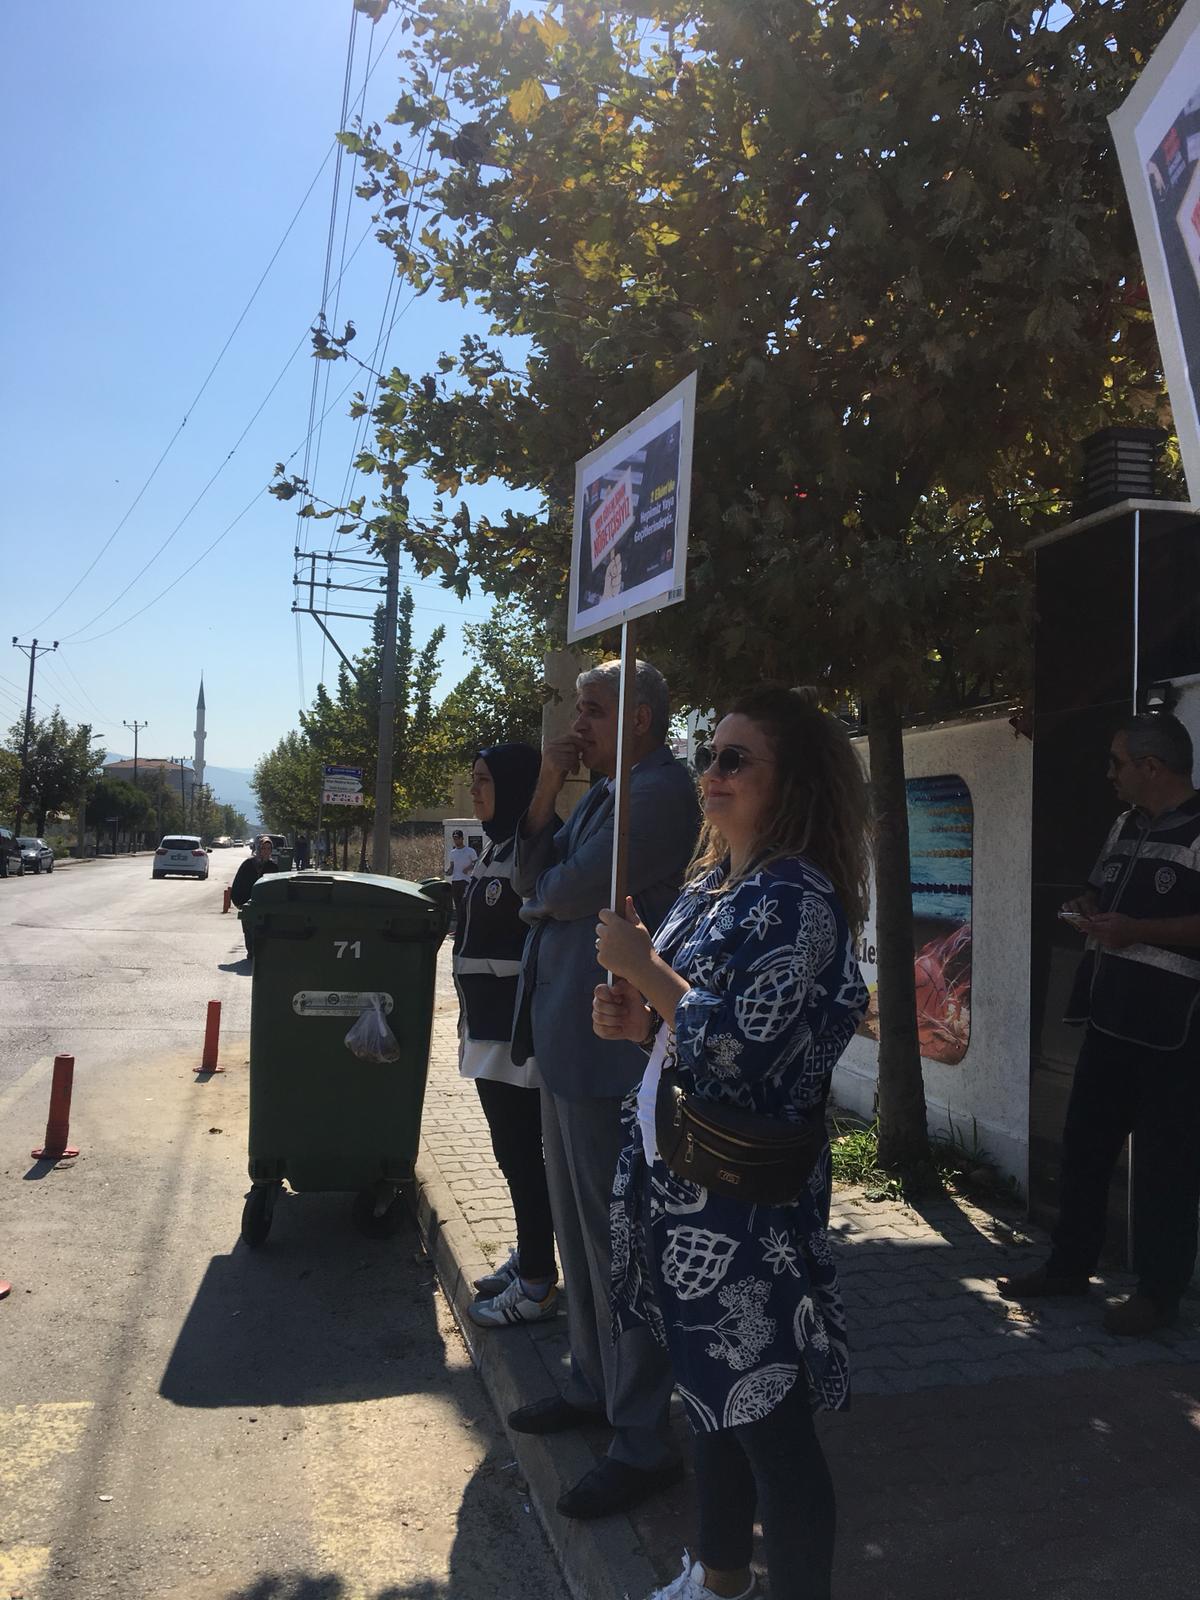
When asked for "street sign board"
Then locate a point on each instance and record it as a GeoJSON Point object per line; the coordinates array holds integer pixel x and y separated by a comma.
{"type": "Point", "coordinates": [342, 786]}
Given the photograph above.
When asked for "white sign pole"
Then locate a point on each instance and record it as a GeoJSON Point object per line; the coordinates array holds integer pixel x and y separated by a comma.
{"type": "Point", "coordinates": [626, 707]}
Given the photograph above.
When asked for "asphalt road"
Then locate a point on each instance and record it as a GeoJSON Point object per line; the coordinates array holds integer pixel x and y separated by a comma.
{"type": "Point", "coordinates": [180, 1418]}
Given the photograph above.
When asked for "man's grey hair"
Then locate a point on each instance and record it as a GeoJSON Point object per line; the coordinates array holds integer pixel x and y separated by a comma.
{"type": "Point", "coordinates": [651, 687]}
{"type": "Point", "coordinates": [1158, 734]}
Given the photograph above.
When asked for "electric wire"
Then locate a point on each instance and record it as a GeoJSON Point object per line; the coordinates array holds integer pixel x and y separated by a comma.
{"type": "Point", "coordinates": [140, 574]}
{"type": "Point", "coordinates": [334, 147]}
{"type": "Point", "coordinates": [196, 397]}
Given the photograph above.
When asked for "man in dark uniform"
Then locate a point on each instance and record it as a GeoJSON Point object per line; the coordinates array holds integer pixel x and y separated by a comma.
{"type": "Point", "coordinates": [246, 876]}
{"type": "Point", "coordinates": [1138, 1072]}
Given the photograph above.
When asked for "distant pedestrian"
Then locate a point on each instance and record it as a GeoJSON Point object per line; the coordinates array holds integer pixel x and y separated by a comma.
{"type": "Point", "coordinates": [459, 867]}
{"type": "Point", "coordinates": [247, 876]}
{"type": "Point", "coordinates": [487, 963]}
{"type": "Point", "coordinates": [300, 853]}
{"type": "Point", "coordinates": [1136, 992]}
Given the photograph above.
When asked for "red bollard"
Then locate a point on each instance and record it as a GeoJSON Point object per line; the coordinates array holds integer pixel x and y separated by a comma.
{"type": "Point", "coordinates": [212, 1036]}
{"type": "Point", "coordinates": [228, 900]}
{"type": "Point", "coordinates": [58, 1125]}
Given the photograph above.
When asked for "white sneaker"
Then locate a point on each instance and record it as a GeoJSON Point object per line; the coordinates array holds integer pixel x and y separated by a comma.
{"type": "Point", "coordinates": [513, 1305]}
{"type": "Point", "coordinates": [690, 1585]}
{"type": "Point", "coordinates": [493, 1283]}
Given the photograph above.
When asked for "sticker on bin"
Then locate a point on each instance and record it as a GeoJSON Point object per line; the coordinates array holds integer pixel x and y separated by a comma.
{"type": "Point", "coordinates": [338, 1002]}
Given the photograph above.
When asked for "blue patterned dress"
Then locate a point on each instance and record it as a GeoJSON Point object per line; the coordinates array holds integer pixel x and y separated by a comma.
{"type": "Point", "coordinates": [745, 1297]}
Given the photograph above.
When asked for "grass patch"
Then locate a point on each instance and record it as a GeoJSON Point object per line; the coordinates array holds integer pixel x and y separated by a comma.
{"type": "Point", "coordinates": [958, 1166]}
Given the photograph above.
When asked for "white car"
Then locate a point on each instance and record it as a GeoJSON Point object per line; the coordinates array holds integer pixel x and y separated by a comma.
{"type": "Point", "coordinates": [182, 854]}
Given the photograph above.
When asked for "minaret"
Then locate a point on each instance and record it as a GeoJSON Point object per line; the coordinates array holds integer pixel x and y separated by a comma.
{"type": "Point", "coordinates": [198, 780]}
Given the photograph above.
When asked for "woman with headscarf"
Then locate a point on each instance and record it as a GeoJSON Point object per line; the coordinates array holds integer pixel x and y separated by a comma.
{"type": "Point", "coordinates": [487, 962]}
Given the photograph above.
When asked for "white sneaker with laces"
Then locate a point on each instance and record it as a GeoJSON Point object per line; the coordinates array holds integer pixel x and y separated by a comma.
{"type": "Point", "coordinates": [690, 1585]}
{"type": "Point", "coordinates": [493, 1283]}
{"type": "Point", "coordinates": [513, 1305]}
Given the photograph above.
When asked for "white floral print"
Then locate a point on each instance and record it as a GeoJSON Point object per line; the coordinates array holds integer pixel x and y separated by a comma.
{"type": "Point", "coordinates": [761, 918]}
{"type": "Point", "coordinates": [779, 1253]}
{"type": "Point", "coordinates": [746, 1297]}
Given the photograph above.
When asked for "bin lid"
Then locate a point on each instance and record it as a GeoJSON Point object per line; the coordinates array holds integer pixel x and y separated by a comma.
{"type": "Point", "coordinates": [278, 891]}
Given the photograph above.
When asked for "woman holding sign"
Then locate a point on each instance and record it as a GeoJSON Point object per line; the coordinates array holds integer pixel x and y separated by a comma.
{"type": "Point", "coordinates": [721, 1200]}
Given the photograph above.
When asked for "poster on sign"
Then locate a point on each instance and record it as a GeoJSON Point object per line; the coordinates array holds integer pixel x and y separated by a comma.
{"type": "Point", "coordinates": [629, 550]}
{"type": "Point", "coordinates": [1157, 137]}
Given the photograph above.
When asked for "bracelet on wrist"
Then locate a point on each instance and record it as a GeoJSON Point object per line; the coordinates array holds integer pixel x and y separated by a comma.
{"type": "Point", "coordinates": [652, 1030]}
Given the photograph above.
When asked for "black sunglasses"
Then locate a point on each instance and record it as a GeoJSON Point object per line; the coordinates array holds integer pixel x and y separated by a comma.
{"type": "Point", "coordinates": [727, 760]}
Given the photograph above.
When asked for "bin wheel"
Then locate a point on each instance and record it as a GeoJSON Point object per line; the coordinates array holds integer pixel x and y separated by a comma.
{"type": "Point", "coordinates": [257, 1214]}
{"type": "Point", "coordinates": [383, 1226]}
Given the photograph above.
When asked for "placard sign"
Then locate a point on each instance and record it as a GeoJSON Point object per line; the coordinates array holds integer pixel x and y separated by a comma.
{"type": "Point", "coordinates": [632, 495]}
{"type": "Point", "coordinates": [1157, 137]}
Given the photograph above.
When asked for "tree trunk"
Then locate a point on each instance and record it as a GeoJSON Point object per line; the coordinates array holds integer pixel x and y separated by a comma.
{"type": "Point", "coordinates": [903, 1134]}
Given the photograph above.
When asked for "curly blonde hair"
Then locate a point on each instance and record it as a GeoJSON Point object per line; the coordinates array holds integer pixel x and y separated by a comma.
{"type": "Point", "coordinates": [821, 808]}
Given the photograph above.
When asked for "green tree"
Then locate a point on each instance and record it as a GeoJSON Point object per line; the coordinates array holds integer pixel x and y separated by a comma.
{"type": "Point", "coordinates": [891, 238]}
{"type": "Point", "coordinates": [501, 697]}
{"type": "Point", "coordinates": [10, 780]}
{"type": "Point", "coordinates": [287, 783]}
{"type": "Point", "coordinates": [60, 761]}
{"type": "Point", "coordinates": [109, 798]}
{"type": "Point", "coordinates": [344, 729]}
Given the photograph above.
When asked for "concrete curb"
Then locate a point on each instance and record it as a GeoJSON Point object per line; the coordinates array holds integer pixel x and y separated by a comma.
{"type": "Point", "coordinates": [602, 1560]}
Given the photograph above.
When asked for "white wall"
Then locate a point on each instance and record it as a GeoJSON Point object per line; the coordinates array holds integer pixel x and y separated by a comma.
{"type": "Point", "coordinates": [990, 1086]}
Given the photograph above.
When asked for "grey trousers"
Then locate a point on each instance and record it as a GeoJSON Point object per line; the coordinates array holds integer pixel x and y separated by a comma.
{"type": "Point", "coordinates": [630, 1380]}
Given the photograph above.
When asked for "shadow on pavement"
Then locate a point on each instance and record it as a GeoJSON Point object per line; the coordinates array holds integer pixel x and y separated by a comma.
{"type": "Point", "coordinates": [243, 965]}
{"type": "Point", "coordinates": [498, 1551]}
{"type": "Point", "coordinates": [317, 1315]}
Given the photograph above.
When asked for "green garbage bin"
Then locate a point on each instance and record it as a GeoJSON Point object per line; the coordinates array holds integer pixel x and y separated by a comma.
{"type": "Point", "coordinates": [326, 945]}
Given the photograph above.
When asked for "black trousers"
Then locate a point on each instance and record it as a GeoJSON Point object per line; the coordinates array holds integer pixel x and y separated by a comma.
{"type": "Point", "coordinates": [1121, 1089]}
{"type": "Point", "coordinates": [514, 1119]}
{"type": "Point", "coordinates": [777, 1467]}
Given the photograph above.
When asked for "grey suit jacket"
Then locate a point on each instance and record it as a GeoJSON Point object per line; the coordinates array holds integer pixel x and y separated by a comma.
{"type": "Point", "coordinates": [564, 872]}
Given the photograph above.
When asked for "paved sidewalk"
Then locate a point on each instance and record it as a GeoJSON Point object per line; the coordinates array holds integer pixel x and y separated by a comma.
{"type": "Point", "coordinates": [991, 1452]}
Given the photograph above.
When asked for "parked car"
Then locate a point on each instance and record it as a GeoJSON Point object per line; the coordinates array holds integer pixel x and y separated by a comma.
{"type": "Point", "coordinates": [182, 855]}
{"type": "Point", "coordinates": [11, 864]}
{"type": "Point", "coordinates": [36, 854]}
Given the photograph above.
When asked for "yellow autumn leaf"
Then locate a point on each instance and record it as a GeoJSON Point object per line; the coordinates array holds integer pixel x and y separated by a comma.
{"type": "Point", "coordinates": [748, 144]}
{"type": "Point", "coordinates": [525, 103]}
{"type": "Point", "coordinates": [550, 32]}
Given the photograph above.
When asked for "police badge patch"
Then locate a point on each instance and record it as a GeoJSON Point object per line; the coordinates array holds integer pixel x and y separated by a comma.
{"type": "Point", "coordinates": [1164, 880]}
{"type": "Point", "coordinates": [493, 891]}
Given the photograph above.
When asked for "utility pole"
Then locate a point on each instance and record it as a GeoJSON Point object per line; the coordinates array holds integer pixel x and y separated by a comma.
{"type": "Point", "coordinates": [33, 651]}
{"type": "Point", "coordinates": [182, 792]}
{"type": "Point", "coordinates": [137, 727]}
{"type": "Point", "coordinates": [381, 844]}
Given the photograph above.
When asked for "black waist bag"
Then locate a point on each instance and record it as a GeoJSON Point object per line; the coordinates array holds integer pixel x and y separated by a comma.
{"type": "Point", "coordinates": [761, 1160]}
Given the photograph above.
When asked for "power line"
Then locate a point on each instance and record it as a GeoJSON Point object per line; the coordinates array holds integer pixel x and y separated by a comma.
{"type": "Point", "coordinates": [140, 574]}
{"type": "Point", "coordinates": [334, 147]}
{"type": "Point", "coordinates": [198, 395]}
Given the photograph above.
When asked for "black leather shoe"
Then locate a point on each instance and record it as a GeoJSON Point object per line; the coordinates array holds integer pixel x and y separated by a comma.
{"type": "Point", "coordinates": [1041, 1284]}
{"type": "Point", "coordinates": [553, 1415]}
{"type": "Point", "coordinates": [614, 1486]}
{"type": "Point", "coordinates": [1138, 1317]}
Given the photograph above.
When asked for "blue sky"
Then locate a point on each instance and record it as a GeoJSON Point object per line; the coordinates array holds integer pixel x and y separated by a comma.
{"type": "Point", "coordinates": [156, 155]}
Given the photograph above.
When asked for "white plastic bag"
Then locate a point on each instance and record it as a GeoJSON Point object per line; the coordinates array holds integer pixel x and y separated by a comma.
{"type": "Point", "coordinates": [370, 1038]}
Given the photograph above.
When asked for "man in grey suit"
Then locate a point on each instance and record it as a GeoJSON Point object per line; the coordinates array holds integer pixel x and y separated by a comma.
{"type": "Point", "coordinates": [564, 873]}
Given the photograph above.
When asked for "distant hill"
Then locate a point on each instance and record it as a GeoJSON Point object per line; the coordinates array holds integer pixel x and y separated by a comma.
{"type": "Point", "coordinates": [231, 786]}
